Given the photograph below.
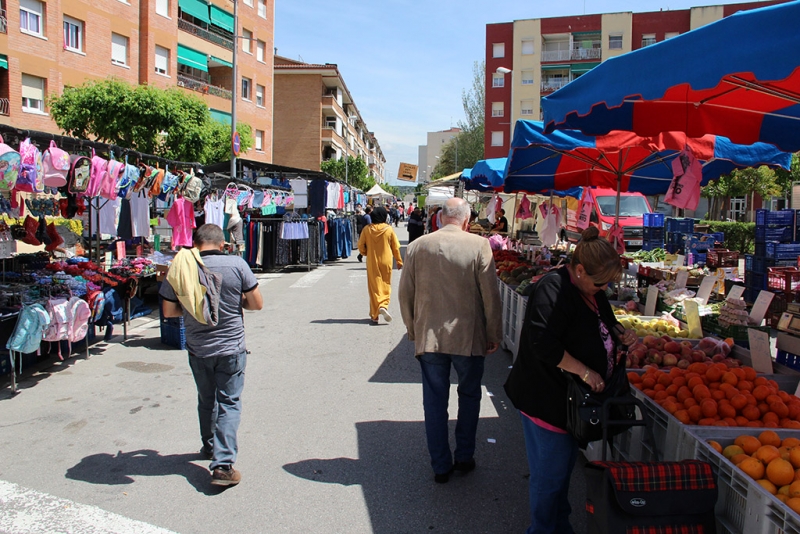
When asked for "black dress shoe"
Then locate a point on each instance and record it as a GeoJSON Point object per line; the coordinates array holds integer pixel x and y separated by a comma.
{"type": "Point", "coordinates": [360, 257]}
{"type": "Point", "coordinates": [465, 467]}
{"type": "Point", "coordinates": [442, 478]}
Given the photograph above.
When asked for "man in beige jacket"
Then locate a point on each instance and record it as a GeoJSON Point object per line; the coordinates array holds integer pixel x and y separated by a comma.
{"type": "Point", "coordinates": [450, 305]}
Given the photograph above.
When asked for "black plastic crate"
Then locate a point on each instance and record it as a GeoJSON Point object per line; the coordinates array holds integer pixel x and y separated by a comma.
{"type": "Point", "coordinates": [652, 245]}
{"type": "Point", "coordinates": [653, 233]}
{"type": "Point", "coordinates": [673, 248]}
{"type": "Point", "coordinates": [755, 280]}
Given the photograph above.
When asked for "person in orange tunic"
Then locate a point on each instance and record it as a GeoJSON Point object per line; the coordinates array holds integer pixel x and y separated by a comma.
{"type": "Point", "coordinates": [378, 243]}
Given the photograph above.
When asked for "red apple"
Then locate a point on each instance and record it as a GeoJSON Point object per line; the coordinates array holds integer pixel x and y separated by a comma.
{"type": "Point", "coordinates": [670, 359]}
{"type": "Point", "coordinates": [686, 352]}
{"type": "Point", "coordinates": [672, 347]}
{"type": "Point", "coordinates": [649, 341]}
{"type": "Point", "coordinates": [718, 358]}
{"type": "Point", "coordinates": [666, 338]}
{"type": "Point", "coordinates": [683, 364]}
{"type": "Point", "coordinates": [687, 344]}
{"type": "Point", "coordinates": [659, 344]}
{"type": "Point", "coordinates": [698, 356]}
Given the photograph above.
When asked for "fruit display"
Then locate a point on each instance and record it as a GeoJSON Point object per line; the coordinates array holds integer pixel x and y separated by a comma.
{"type": "Point", "coordinates": [631, 308]}
{"type": "Point", "coordinates": [716, 394]}
{"type": "Point", "coordinates": [665, 352]}
{"type": "Point", "coordinates": [733, 312]}
{"type": "Point", "coordinates": [653, 327]}
{"type": "Point", "coordinates": [774, 463]}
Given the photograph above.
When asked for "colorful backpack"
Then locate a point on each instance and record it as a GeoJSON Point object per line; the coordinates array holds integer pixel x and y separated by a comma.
{"type": "Point", "coordinates": [33, 320]}
{"type": "Point", "coordinates": [145, 173]}
{"type": "Point", "coordinates": [97, 303]}
{"type": "Point", "coordinates": [168, 185]}
{"type": "Point", "coordinates": [31, 173]}
{"type": "Point", "coordinates": [79, 313]}
{"type": "Point", "coordinates": [58, 329]}
{"type": "Point", "coordinates": [80, 172]}
{"type": "Point", "coordinates": [155, 183]}
{"type": "Point", "coordinates": [127, 180]}
{"type": "Point", "coordinates": [98, 176]}
{"type": "Point", "coordinates": [56, 165]}
{"type": "Point", "coordinates": [193, 188]}
{"type": "Point", "coordinates": [9, 165]}
{"type": "Point", "coordinates": [108, 189]}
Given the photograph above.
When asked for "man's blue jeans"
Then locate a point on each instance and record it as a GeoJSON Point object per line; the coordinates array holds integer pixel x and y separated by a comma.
{"type": "Point", "coordinates": [220, 380]}
{"type": "Point", "coordinates": [551, 458]}
{"type": "Point", "coordinates": [435, 397]}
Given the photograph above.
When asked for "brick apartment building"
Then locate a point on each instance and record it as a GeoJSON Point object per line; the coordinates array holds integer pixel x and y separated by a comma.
{"type": "Point", "coordinates": [316, 119]}
{"type": "Point", "coordinates": [543, 55]}
{"type": "Point", "coordinates": [45, 46]}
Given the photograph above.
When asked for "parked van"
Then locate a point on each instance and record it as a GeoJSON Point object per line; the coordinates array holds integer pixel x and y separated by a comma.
{"type": "Point", "coordinates": [632, 207]}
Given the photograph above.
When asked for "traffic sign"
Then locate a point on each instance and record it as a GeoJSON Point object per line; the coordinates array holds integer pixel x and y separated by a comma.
{"type": "Point", "coordinates": [236, 143]}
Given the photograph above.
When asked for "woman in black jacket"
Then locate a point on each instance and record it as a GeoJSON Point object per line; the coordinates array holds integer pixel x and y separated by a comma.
{"type": "Point", "coordinates": [416, 225]}
{"type": "Point", "coordinates": [569, 328]}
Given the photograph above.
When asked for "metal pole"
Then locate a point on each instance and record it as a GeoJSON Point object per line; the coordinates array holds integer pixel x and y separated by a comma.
{"type": "Point", "coordinates": [345, 166]}
{"type": "Point", "coordinates": [456, 166]}
{"type": "Point", "coordinates": [233, 85]}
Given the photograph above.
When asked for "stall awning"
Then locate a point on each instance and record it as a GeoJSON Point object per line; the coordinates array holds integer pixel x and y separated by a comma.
{"type": "Point", "coordinates": [3, 61]}
{"type": "Point", "coordinates": [192, 58]}
{"type": "Point", "coordinates": [221, 18]}
{"type": "Point", "coordinates": [221, 62]}
{"type": "Point", "coordinates": [220, 116]}
{"type": "Point", "coordinates": [196, 8]}
{"type": "Point", "coordinates": [555, 67]}
{"type": "Point", "coordinates": [584, 67]}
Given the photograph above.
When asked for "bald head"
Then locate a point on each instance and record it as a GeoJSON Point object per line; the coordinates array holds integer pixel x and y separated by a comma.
{"type": "Point", "coordinates": [455, 211]}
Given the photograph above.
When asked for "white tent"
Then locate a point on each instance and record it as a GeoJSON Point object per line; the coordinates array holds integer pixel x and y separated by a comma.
{"type": "Point", "coordinates": [377, 191]}
{"type": "Point", "coordinates": [438, 195]}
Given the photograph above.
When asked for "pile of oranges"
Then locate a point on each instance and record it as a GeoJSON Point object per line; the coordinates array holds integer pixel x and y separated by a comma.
{"type": "Point", "coordinates": [771, 462]}
{"type": "Point", "coordinates": [712, 394]}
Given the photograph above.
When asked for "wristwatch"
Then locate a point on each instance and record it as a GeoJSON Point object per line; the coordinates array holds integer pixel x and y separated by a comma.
{"type": "Point", "coordinates": [586, 375]}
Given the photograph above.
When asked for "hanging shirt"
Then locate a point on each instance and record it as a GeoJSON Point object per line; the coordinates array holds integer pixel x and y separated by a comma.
{"type": "Point", "coordinates": [333, 196]}
{"type": "Point", "coordinates": [140, 215]}
{"type": "Point", "coordinates": [181, 218]}
{"type": "Point", "coordinates": [109, 217]}
{"type": "Point", "coordinates": [215, 211]}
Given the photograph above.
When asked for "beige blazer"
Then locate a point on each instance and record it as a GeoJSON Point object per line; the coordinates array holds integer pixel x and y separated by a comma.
{"type": "Point", "coordinates": [449, 297]}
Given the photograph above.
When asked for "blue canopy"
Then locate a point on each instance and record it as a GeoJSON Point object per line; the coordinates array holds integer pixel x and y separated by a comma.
{"type": "Point", "coordinates": [487, 175]}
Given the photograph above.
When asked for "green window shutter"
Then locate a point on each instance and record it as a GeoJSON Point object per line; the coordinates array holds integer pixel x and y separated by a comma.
{"type": "Point", "coordinates": [3, 61]}
{"type": "Point", "coordinates": [583, 67]}
{"type": "Point", "coordinates": [221, 18]}
{"type": "Point", "coordinates": [192, 58]}
{"type": "Point", "coordinates": [555, 67]}
{"type": "Point", "coordinates": [222, 62]}
{"type": "Point", "coordinates": [220, 116]}
{"type": "Point", "coordinates": [196, 8]}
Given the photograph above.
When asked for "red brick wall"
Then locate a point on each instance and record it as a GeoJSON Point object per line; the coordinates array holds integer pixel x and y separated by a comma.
{"type": "Point", "coordinates": [582, 23]}
{"type": "Point", "coordinates": [298, 120]}
{"type": "Point", "coordinates": [659, 23]}
{"type": "Point", "coordinates": [498, 33]}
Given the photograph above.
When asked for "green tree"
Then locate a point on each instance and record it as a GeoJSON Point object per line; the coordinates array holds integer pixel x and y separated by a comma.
{"type": "Point", "coordinates": [353, 171]}
{"type": "Point", "coordinates": [466, 148]}
{"type": "Point", "coordinates": [762, 181]}
{"type": "Point", "coordinates": [164, 122]}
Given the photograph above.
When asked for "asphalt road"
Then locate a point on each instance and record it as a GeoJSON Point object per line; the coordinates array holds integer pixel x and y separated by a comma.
{"type": "Point", "coordinates": [331, 440]}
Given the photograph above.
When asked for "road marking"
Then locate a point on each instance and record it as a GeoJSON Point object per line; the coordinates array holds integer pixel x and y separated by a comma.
{"type": "Point", "coordinates": [357, 278]}
{"type": "Point", "coordinates": [309, 279]}
{"type": "Point", "coordinates": [266, 278]}
{"type": "Point", "coordinates": [24, 510]}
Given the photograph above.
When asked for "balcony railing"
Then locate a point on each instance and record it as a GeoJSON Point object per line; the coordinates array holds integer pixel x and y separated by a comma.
{"type": "Point", "coordinates": [4, 106]}
{"type": "Point", "coordinates": [556, 55]}
{"type": "Point", "coordinates": [202, 87]}
{"type": "Point", "coordinates": [553, 85]}
{"type": "Point", "coordinates": [585, 53]}
{"type": "Point", "coordinates": [3, 22]}
{"type": "Point", "coordinates": [203, 33]}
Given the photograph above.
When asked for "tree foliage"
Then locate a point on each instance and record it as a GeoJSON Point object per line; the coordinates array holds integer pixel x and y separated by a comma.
{"type": "Point", "coordinates": [762, 181]}
{"type": "Point", "coordinates": [353, 171]}
{"type": "Point", "coordinates": [164, 122]}
{"type": "Point", "coordinates": [466, 148]}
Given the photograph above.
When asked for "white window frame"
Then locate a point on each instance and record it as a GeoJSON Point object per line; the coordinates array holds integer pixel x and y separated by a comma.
{"type": "Point", "coordinates": [28, 9]}
{"type": "Point", "coordinates": [78, 24]}
{"type": "Point", "coordinates": [30, 105]}
{"type": "Point", "coordinates": [261, 51]}
{"type": "Point", "coordinates": [259, 143]}
{"type": "Point", "coordinates": [615, 42]}
{"type": "Point", "coordinates": [648, 39]}
{"type": "Point", "coordinates": [260, 89]}
{"type": "Point", "coordinates": [498, 109]}
{"type": "Point", "coordinates": [526, 107]}
{"type": "Point", "coordinates": [248, 3]}
{"type": "Point", "coordinates": [247, 37]}
{"type": "Point", "coordinates": [117, 37]}
{"type": "Point", "coordinates": [162, 8]}
{"type": "Point", "coordinates": [527, 47]}
{"type": "Point", "coordinates": [498, 50]}
{"type": "Point", "coordinates": [498, 80]}
{"type": "Point", "coordinates": [670, 35]}
{"type": "Point", "coordinates": [528, 77]}
{"type": "Point", "coordinates": [247, 83]}
{"type": "Point", "coordinates": [497, 138]}
{"type": "Point", "coordinates": [165, 61]}
{"type": "Point", "coordinates": [262, 8]}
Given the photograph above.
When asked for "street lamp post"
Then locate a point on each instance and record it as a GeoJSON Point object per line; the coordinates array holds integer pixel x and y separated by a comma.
{"type": "Point", "coordinates": [233, 85]}
{"type": "Point", "coordinates": [504, 71]}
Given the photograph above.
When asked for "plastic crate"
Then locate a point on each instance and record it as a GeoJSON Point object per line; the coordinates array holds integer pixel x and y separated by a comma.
{"type": "Point", "coordinates": [761, 250]}
{"type": "Point", "coordinates": [679, 225]}
{"type": "Point", "coordinates": [775, 218]}
{"type": "Point", "coordinates": [720, 257]}
{"type": "Point", "coordinates": [652, 245]}
{"type": "Point", "coordinates": [736, 332]}
{"type": "Point", "coordinates": [755, 280]}
{"type": "Point", "coordinates": [673, 248]}
{"type": "Point", "coordinates": [780, 234]}
{"type": "Point", "coordinates": [783, 279]}
{"type": "Point", "coordinates": [700, 258]}
{"type": "Point", "coordinates": [653, 234]}
{"type": "Point", "coordinates": [677, 238]}
{"type": "Point", "coordinates": [173, 333]}
{"type": "Point", "coordinates": [758, 264]}
{"type": "Point", "coordinates": [653, 220]}
{"type": "Point", "coordinates": [782, 251]}
{"type": "Point", "coordinates": [700, 243]}
{"type": "Point", "coordinates": [788, 359]}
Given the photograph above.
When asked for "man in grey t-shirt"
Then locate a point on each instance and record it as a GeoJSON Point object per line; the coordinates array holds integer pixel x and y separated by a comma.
{"type": "Point", "coordinates": [217, 354]}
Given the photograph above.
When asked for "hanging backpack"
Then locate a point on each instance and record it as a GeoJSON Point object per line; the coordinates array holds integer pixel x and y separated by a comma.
{"type": "Point", "coordinates": [145, 180]}
{"type": "Point", "coordinates": [30, 327]}
{"type": "Point", "coordinates": [98, 175]}
{"type": "Point", "coordinates": [79, 313]}
{"type": "Point", "coordinates": [168, 185]}
{"type": "Point", "coordinates": [156, 180]}
{"type": "Point", "coordinates": [79, 174]}
{"type": "Point", "coordinates": [56, 164]}
{"type": "Point", "coordinates": [58, 329]}
{"type": "Point", "coordinates": [108, 189]}
{"type": "Point", "coordinates": [97, 303]}
{"type": "Point", "coordinates": [127, 181]}
{"type": "Point", "coordinates": [9, 165]}
{"type": "Point", "coordinates": [31, 173]}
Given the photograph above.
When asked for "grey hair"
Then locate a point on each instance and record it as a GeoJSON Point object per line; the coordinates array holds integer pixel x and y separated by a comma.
{"type": "Point", "coordinates": [456, 210]}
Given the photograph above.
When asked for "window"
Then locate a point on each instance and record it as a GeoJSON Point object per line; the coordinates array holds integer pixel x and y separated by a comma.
{"type": "Point", "coordinates": [162, 7]}
{"type": "Point", "coordinates": [31, 13]}
{"type": "Point", "coordinates": [73, 34]}
{"type": "Point", "coordinates": [648, 39]}
{"type": "Point", "coordinates": [497, 138]}
{"type": "Point", "coordinates": [527, 47]}
{"type": "Point", "coordinates": [615, 42]}
{"type": "Point", "coordinates": [260, 140]}
{"type": "Point", "coordinates": [262, 9]}
{"type": "Point", "coordinates": [33, 93]}
{"type": "Point", "coordinates": [499, 50]}
{"type": "Point", "coordinates": [526, 107]}
{"type": "Point", "coordinates": [670, 35]}
{"type": "Point", "coordinates": [497, 109]}
{"type": "Point", "coordinates": [119, 49]}
{"type": "Point", "coordinates": [246, 84]}
{"type": "Point", "coordinates": [498, 80]}
{"type": "Point", "coordinates": [259, 95]}
{"type": "Point", "coordinates": [248, 3]}
{"type": "Point", "coordinates": [162, 60]}
{"type": "Point", "coordinates": [247, 35]}
{"type": "Point", "coordinates": [527, 77]}
{"type": "Point", "coordinates": [261, 47]}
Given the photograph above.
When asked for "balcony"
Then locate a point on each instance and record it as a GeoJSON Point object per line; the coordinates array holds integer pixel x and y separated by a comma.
{"type": "Point", "coordinates": [202, 87]}
{"type": "Point", "coordinates": [3, 23]}
{"type": "Point", "coordinates": [4, 107]}
{"type": "Point", "coordinates": [553, 85]}
{"type": "Point", "coordinates": [579, 54]}
{"type": "Point", "coordinates": [203, 33]}
{"type": "Point", "coordinates": [556, 55]}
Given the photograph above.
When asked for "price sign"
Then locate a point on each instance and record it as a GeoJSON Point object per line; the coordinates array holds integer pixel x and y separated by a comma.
{"type": "Point", "coordinates": [693, 318]}
{"type": "Point", "coordinates": [736, 292]}
{"type": "Point", "coordinates": [652, 300]}
{"type": "Point", "coordinates": [120, 250]}
{"type": "Point", "coordinates": [706, 286]}
{"type": "Point", "coordinates": [681, 278]}
{"type": "Point", "coordinates": [760, 350]}
{"type": "Point", "coordinates": [760, 307]}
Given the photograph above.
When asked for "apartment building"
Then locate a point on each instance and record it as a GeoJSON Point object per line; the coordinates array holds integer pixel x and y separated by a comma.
{"type": "Point", "coordinates": [45, 46]}
{"type": "Point", "coordinates": [317, 120]}
{"type": "Point", "coordinates": [529, 59]}
{"type": "Point", "coordinates": [429, 153]}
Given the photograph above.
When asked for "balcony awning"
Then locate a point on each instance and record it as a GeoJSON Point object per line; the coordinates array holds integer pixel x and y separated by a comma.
{"type": "Point", "coordinates": [222, 62]}
{"type": "Point", "coordinates": [3, 61]}
{"type": "Point", "coordinates": [584, 67]}
{"type": "Point", "coordinates": [192, 58]}
{"type": "Point", "coordinates": [221, 18]}
{"type": "Point", "coordinates": [196, 8]}
{"type": "Point", "coordinates": [221, 116]}
{"type": "Point", "coordinates": [555, 67]}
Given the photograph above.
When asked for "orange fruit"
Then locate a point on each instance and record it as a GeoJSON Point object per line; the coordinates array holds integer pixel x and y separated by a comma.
{"type": "Point", "coordinates": [745, 385]}
{"type": "Point", "coordinates": [784, 490]}
{"type": "Point", "coordinates": [717, 394]}
{"type": "Point", "coordinates": [779, 408]}
{"type": "Point", "coordinates": [794, 504]}
{"type": "Point", "coordinates": [790, 442]}
{"type": "Point", "coordinates": [767, 485]}
{"type": "Point", "coordinates": [767, 453]}
{"type": "Point", "coordinates": [794, 457]}
{"type": "Point", "coordinates": [780, 472]}
{"type": "Point", "coordinates": [749, 373]}
{"type": "Point", "coordinates": [683, 417]}
{"type": "Point", "coordinates": [752, 468]}
{"type": "Point", "coordinates": [760, 392]}
{"type": "Point", "coordinates": [749, 444]}
{"type": "Point", "coordinates": [730, 378]}
{"type": "Point", "coordinates": [709, 407]}
{"type": "Point", "coordinates": [781, 497]}
{"type": "Point", "coordinates": [739, 458]}
{"type": "Point", "coordinates": [732, 450]}
{"type": "Point", "coordinates": [794, 489]}
{"type": "Point", "coordinates": [751, 412]}
{"type": "Point", "coordinates": [716, 446]}
{"type": "Point", "coordinates": [714, 374]}
{"type": "Point", "coordinates": [738, 401]}
{"type": "Point", "coordinates": [701, 392]}
{"type": "Point", "coordinates": [770, 437]}
{"type": "Point", "coordinates": [695, 413]}
{"type": "Point", "coordinates": [784, 453]}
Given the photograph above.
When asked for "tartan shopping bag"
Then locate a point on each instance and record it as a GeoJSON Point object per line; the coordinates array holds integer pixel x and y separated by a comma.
{"type": "Point", "coordinates": [650, 497]}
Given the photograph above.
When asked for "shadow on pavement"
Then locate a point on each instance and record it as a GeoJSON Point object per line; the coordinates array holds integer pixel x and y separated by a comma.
{"type": "Point", "coordinates": [342, 321]}
{"type": "Point", "coordinates": [151, 343]}
{"type": "Point", "coordinates": [112, 470]}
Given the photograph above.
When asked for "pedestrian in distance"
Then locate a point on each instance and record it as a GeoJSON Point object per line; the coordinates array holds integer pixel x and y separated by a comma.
{"type": "Point", "coordinates": [367, 220]}
{"type": "Point", "coordinates": [451, 308]}
{"type": "Point", "coordinates": [379, 244]}
{"type": "Point", "coordinates": [217, 354]}
{"type": "Point", "coordinates": [416, 225]}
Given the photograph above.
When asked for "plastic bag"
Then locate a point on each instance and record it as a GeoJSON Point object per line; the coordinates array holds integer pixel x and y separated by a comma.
{"type": "Point", "coordinates": [498, 242]}
{"type": "Point", "coordinates": [712, 346]}
{"type": "Point", "coordinates": [549, 233]}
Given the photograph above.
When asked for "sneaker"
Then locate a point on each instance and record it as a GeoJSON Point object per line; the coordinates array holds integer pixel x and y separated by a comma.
{"type": "Point", "coordinates": [225, 477]}
{"type": "Point", "coordinates": [442, 478]}
{"type": "Point", "coordinates": [386, 315]}
{"type": "Point", "coordinates": [465, 467]}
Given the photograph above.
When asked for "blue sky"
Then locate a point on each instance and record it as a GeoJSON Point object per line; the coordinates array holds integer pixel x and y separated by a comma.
{"type": "Point", "coordinates": [406, 62]}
